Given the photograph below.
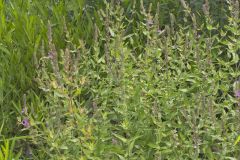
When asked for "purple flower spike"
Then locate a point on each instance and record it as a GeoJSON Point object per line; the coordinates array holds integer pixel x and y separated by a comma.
{"type": "Point", "coordinates": [150, 22]}
{"type": "Point", "coordinates": [26, 123]}
{"type": "Point", "coordinates": [24, 110]}
{"type": "Point", "coordinates": [237, 93]}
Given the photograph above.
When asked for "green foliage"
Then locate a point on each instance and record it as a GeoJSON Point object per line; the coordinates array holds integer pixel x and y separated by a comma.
{"type": "Point", "coordinates": [7, 150]}
{"type": "Point", "coordinates": [119, 80]}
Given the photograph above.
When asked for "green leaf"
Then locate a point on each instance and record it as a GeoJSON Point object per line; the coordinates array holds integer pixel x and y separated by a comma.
{"type": "Point", "coordinates": [5, 50]}
{"type": "Point", "coordinates": [124, 140]}
{"type": "Point", "coordinates": [184, 90]}
{"type": "Point", "coordinates": [132, 142]}
{"type": "Point", "coordinates": [63, 147]}
{"type": "Point", "coordinates": [111, 32]}
{"type": "Point", "coordinates": [237, 140]}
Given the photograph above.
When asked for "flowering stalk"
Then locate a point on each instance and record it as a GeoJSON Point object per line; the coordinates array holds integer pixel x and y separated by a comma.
{"type": "Point", "coordinates": [24, 108]}
{"type": "Point", "coordinates": [237, 95]}
{"type": "Point", "coordinates": [24, 112]}
{"type": "Point", "coordinates": [67, 56]}
{"type": "Point", "coordinates": [53, 55]}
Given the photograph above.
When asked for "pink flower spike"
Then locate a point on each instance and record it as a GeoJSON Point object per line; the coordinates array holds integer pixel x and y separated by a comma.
{"type": "Point", "coordinates": [237, 94]}
{"type": "Point", "coordinates": [24, 110]}
{"type": "Point", "coordinates": [26, 123]}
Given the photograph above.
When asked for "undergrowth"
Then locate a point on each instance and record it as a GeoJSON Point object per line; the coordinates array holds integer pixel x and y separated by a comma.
{"type": "Point", "coordinates": [124, 87]}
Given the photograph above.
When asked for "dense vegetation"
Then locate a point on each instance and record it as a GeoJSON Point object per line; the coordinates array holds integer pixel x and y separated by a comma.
{"type": "Point", "coordinates": [120, 79]}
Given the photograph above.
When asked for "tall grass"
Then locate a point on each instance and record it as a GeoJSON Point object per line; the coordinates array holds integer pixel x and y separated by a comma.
{"type": "Point", "coordinates": [82, 82]}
